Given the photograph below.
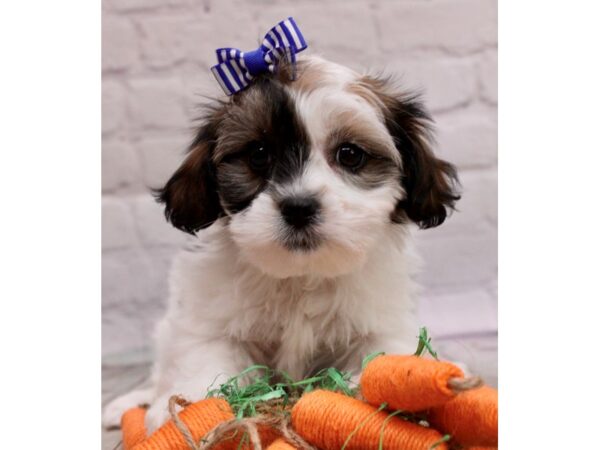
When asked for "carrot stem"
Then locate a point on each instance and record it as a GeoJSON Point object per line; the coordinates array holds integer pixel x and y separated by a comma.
{"type": "Point", "coordinates": [425, 344]}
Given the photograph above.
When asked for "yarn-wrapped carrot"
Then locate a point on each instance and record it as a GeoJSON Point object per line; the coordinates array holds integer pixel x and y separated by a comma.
{"type": "Point", "coordinates": [281, 444]}
{"type": "Point", "coordinates": [134, 429]}
{"type": "Point", "coordinates": [408, 382]}
{"type": "Point", "coordinates": [471, 418]}
{"type": "Point", "coordinates": [329, 421]}
{"type": "Point", "coordinates": [199, 417]}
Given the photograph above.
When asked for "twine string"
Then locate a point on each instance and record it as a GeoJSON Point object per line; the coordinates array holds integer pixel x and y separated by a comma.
{"type": "Point", "coordinates": [227, 430]}
{"type": "Point", "coordinates": [174, 401]}
{"type": "Point", "coordinates": [464, 384]}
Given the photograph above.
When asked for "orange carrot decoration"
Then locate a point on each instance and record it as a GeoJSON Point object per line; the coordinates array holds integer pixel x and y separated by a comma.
{"type": "Point", "coordinates": [471, 418]}
{"type": "Point", "coordinates": [454, 406]}
{"type": "Point", "coordinates": [134, 430]}
{"type": "Point", "coordinates": [281, 444]}
{"type": "Point", "coordinates": [408, 383]}
{"type": "Point", "coordinates": [199, 417]}
{"type": "Point", "coordinates": [332, 421]}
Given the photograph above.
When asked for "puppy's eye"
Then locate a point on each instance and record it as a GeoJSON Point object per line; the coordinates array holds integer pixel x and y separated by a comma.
{"type": "Point", "coordinates": [351, 157]}
{"type": "Point", "coordinates": [259, 157]}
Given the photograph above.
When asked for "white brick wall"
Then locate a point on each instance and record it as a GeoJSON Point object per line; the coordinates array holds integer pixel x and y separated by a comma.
{"type": "Point", "coordinates": [155, 59]}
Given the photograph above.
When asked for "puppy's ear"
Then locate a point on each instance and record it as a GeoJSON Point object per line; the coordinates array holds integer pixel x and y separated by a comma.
{"type": "Point", "coordinates": [430, 183]}
{"type": "Point", "coordinates": [190, 196]}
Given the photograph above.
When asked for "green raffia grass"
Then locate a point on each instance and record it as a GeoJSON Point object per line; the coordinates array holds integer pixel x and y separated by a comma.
{"type": "Point", "coordinates": [370, 358]}
{"type": "Point", "coordinates": [425, 344]}
{"type": "Point", "coordinates": [259, 385]}
{"type": "Point", "coordinates": [259, 388]}
{"type": "Point", "coordinates": [385, 422]}
{"type": "Point", "coordinates": [363, 423]}
{"type": "Point", "coordinates": [243, 440]}
{"type": "Point", "coordinates": [445, 438]}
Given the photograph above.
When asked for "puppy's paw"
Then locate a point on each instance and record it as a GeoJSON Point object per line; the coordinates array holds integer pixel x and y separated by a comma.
{"type": "Point", "coordinates": [111, 417]}
{"type": "Point", "coordinates": [157, 414]}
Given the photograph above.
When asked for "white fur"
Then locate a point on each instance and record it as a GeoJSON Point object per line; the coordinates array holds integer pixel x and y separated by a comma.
{"type": "Point", "coordinates": [239, 297]}
{"type": "Point", "coordinates": [218, 300]}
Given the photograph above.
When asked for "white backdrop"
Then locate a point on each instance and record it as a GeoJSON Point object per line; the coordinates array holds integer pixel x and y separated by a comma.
{"type": "Point", "coordinates": [155, 60]}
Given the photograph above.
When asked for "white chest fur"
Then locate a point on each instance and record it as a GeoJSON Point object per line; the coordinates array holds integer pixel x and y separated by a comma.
{"type": "Point", "coordinates": [296, 324]}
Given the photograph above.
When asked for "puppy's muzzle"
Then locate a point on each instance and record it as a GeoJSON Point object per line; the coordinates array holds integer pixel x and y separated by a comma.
{"type": "Point", "coordinates": [300, 211]}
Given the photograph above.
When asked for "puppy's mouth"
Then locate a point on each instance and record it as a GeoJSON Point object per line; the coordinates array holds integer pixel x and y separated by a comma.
{"type": "Point", "coordinates": [301, 240]}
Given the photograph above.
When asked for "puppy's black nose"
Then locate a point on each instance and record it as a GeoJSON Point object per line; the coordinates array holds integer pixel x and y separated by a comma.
{"type": "Point", "coordinates": [299, 211]}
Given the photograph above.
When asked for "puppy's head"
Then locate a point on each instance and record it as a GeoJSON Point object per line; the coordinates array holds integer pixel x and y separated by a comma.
{"type": "Point", "coordinates": [309, 174]}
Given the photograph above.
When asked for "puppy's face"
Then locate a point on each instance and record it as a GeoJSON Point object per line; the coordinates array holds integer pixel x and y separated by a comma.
{"type": "Point", "coordinates": [311, 173]}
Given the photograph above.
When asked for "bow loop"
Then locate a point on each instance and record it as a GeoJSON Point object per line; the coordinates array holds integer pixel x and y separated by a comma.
{"type": "Point", "coordinates": [236, 69]}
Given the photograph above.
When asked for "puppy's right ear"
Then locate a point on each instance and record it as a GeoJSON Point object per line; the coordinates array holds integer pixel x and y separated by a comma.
{"type": "Point", "coordinates": [190, 196]}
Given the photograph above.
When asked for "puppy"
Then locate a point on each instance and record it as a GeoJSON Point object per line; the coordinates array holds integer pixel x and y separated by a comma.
{"type": "Point", "coordinates": [305, 191]}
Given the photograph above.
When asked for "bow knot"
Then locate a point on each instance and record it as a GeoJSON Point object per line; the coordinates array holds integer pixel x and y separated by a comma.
{"type": "Point", "coordinates": [236, 69]}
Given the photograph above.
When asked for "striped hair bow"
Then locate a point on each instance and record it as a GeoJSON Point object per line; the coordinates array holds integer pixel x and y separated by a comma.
{"type": "Point", "coordinates": [237, 69]}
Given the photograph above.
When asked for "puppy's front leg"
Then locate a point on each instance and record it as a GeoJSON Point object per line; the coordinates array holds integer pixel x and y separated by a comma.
{"type": "Point", "coordinates": [190, 367]}
{"type": "Point", "coordinates": [396, 344]}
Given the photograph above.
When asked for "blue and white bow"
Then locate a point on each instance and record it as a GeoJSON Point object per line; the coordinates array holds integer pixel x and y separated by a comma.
{"type": "Point", "coordinates": [237, 69]}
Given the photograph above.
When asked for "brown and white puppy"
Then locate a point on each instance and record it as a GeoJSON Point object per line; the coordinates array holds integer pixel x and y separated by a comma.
{"type": "Point", "coordinates": [306, 191]}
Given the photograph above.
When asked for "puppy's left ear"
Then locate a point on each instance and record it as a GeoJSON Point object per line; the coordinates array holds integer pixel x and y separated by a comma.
{"type": "Point", "coordinates": [190, 196]}
{"type": "Point", "coordinates": [430, 183]}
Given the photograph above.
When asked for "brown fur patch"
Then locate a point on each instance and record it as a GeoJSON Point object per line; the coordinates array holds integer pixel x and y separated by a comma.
{"type": "Point", "coordinates": [366, 89]}
{"type": "Point", "coordinates": [247, 119]}
{"type": "Point", "coordinates": [309, 77]}
{"type": "Point", "coordinates": [350, 128]}
{"type": "Point", "coordinates": [312, 74]}
{"type": "Point", "coordinates": [430, 183]}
